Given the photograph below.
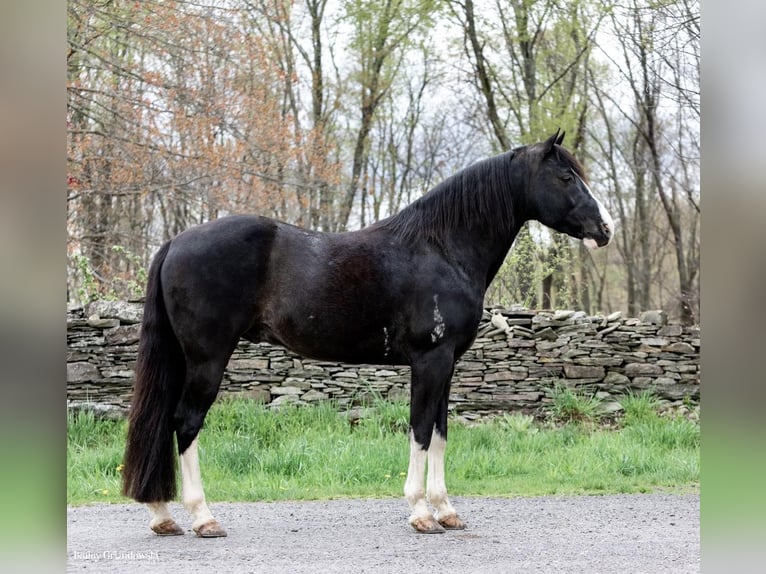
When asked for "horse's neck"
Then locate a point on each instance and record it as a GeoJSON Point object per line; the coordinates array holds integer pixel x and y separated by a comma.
{"type": "Point", "coordinates": [481, 254]}
{"type": "Point", "coordinates": [497, 258]}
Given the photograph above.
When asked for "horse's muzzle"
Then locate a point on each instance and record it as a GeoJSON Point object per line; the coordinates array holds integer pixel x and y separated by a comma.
{"type": "Point", "coordinates": [600, 239]}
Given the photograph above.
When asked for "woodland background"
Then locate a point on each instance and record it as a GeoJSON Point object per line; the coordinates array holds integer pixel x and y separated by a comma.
{"type": "Point", "coordinates": [333, 114]}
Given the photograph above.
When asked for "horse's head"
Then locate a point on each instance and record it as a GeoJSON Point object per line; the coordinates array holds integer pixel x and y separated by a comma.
{"type": "Point", "coordinates": [560, 197]}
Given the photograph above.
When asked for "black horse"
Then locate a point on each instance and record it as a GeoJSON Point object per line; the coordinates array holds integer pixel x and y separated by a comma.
{"type": "Point", "coordinates": [407, 290]}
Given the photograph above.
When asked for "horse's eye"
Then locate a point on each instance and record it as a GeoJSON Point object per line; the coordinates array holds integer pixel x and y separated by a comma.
{"type": "Point", "coordinates": [566, 177]}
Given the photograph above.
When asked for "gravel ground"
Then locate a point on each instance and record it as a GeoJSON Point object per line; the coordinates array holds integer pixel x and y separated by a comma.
{"type": "Point", "coordinates": [646, 533]}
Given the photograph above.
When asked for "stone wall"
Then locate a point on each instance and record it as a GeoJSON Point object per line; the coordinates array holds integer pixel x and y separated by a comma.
{"type": "Point", "coordinates": [516, 359]}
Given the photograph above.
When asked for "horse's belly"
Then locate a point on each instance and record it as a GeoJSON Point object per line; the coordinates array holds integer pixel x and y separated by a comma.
{"type": "Point", "coordinates": [331, 341]}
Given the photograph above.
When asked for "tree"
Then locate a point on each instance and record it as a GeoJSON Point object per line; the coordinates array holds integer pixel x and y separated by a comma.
{"type": "Point", "coordinates": [381, 32]}
{"type": "Point", "coordinates": [531, 84]}
{"type": "Point", "coordinates": [336, 114]}
{"type": "Point", "coordinates": [660, 67]}
{"type": "Point", "coordinates": [177, 113]}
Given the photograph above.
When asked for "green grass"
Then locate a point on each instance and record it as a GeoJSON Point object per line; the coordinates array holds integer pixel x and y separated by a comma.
{"type": "Point", "coordinates": [249, 452]}
{"type": "Point", "coordinates": [571, 407]}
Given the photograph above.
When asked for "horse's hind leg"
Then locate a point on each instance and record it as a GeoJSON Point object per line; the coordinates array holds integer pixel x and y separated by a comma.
{"type": "Point", "coordinates": [162, 522]}
{"type": "Point", "coordinates": [202, 382]}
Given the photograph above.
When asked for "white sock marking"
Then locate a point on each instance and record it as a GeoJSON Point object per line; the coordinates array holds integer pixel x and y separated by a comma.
{"type": "Point", "coordinates": [413, 486]}
{"type": "Point", "coordinates": [436, 487]}
{"type": "Point", "coordinates": [191, 483]}
{"type": "Point", "coordinates": [160, 513]}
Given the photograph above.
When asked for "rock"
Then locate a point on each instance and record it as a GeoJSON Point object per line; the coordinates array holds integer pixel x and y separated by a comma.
{"type": "Point", "coordinates": [656, 317]}
{"type": "Point", "coordinates": [642, 369]}
{"type": "Point", "coordinates": [583, 372]}
{"type": "Point", "coordinates": [81, 372]}
{"type": "Point", "coordinates": [616, 379]}
{"type": "Point", "coordinates": [504, 376]}
{"type": "Point", "coordinates": [664, 381]}
{"type": "Point", "coordinates": [609, 408]}
{"type": "Point", "coordinates": [680, 347]}
{"type": "Point", "coordinates": [258, 394]}
{"type": "Point", "coordinates": [563, 315]}
{"type": "Point", "coordinates": [670, 331]}
{"type": "Point", "coordinates": [572, 353]}
{"type": "Point", "coordinates": [284, 400]}
{"type": "Point", "coordinates": [614, 316]}
{"type": "Point", "coordinates": [654, 341]}
{"type": "Point", "coordinates": [99, 323]}
{"type": "Point", "coordinates": [297, 382]}
{"type": "Point", "coordinates": [355, 414]}
{"type": "Point", "coordinates": [519, 331]}
{"type": "Point", "coordinates": [548, 345]}
{"type": "Point", "coordinates": [280, 391]}
{"type": "Point", "coordinates": [614, 361]}
{"type": "Point", "coordinates": [99, 410]}
{"type": "Point", "coordinates": [248, 364]}
{"type": "Point", "coordinates": [527, 397]}
{"type": "Point", "coordinates": [122, 310]}
{"type": "Point", "coordinates": [508, 372]}
{"type": "Point", "coordinates": [125, 335]}
{"type": "Point", "coordinates": [346, 375]}
{"type": "Point", "coordinates": [608, 329]}
{"type": "Point", "coordinates": [546, 334]}
{"type": "Point", "coordinates": [314, 395]}
{"type": "Point", "coordinates": [582, 381]}
{"type": "Point", "coordinates": [117, 373]}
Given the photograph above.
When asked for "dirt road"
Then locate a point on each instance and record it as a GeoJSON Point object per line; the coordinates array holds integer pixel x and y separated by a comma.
{"type": "Point", "coordinates": [648, 533]}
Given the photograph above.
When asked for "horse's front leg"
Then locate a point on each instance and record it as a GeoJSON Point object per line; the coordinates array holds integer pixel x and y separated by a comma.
{"type": "Point", "coordinates": [436, 487]}
{"type": "Point", "coordinates": [431, 374]}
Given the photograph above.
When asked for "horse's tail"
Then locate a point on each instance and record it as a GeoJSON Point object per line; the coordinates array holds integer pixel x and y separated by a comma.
{"type": "Point", "coordinates": [149, 469]}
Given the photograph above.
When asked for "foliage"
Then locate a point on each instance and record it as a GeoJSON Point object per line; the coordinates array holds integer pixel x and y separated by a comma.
{"type": "Point", "coordinates": [334, 115]}
{"type": "Point", "coordinates": [251, 452]}
{"type": "Point", "coordinates": [85, 279]}
{"type": "Point", "coordinates": [528, 269]}
{"type": "Point", "coordinates": [126, 283]}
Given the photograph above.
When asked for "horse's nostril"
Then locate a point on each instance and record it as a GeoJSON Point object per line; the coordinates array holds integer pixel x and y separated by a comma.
{"type": "Point", "coordinates": [605, 227]}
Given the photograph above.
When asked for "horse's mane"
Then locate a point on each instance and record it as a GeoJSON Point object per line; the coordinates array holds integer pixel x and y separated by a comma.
{"type": "Point", "coordinates": [478, 195]}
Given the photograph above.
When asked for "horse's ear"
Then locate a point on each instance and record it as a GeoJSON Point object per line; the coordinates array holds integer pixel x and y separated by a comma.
{"type": "Point", "coordinates": [549, 143]}
{"type": "Point", "coordinates": [560, 138]}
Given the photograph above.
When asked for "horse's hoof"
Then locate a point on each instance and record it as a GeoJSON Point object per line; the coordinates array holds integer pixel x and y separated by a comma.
{"type": "Point", "coordinates": [427, 525]}
{"type": "Point", "coordinates": [210, 530]}
{"type": "Point", "coordinates": [452, 522]}
{"type": "Point", "coordinates": [167, 528]}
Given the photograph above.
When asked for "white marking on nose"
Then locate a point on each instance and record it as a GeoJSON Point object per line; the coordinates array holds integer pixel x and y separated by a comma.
{"type": "Point", "coordinates": [603, 213]}
{"type": "Point", "coordinates": [438, 331]}
{"type": "Point", "coordinates": [590, 243]}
